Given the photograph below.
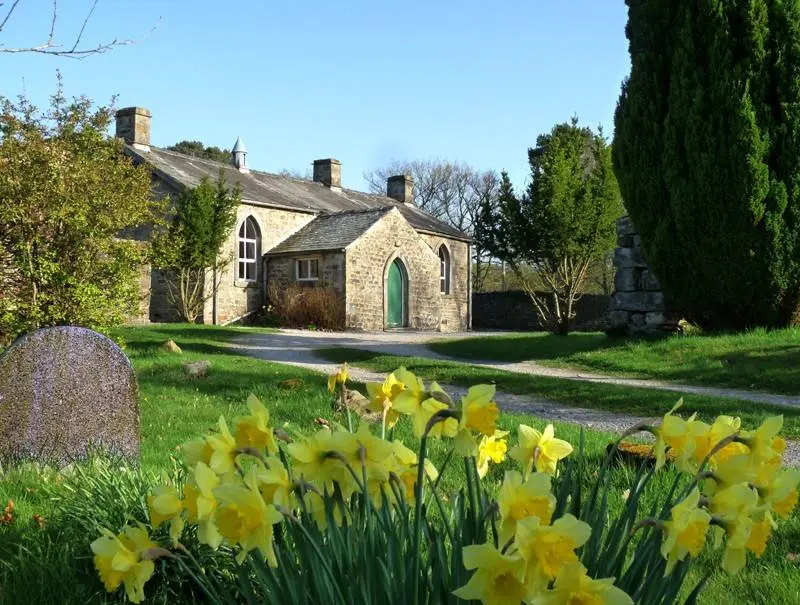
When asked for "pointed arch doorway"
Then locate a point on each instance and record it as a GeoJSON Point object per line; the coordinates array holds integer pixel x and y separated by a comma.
{"type": "Point", "coordinates": [397, 295]}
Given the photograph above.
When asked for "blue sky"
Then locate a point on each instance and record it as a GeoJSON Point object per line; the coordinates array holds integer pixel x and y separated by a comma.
{"type": "Point", "coordinates": [363, 81]}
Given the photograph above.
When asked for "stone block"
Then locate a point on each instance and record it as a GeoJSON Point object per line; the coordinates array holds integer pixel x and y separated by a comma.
{"type": "Point", "coordinates": [654, 319]}
{"type": "Point", "coordinates": [636, 320]}
{"type": "Point", "coordinates": [639, 302]}
{"type": "Point", "coordinates": [629, 257]}
{"type": "Point", "coordinates": [625, 241]}
{"type": "Point", "coordinates": [637, 241]}
{"type": "Point", "coordinates": [650, 281]}
{"type": "Point", "coordinates": [65, 391]}
{"type": "Point", "coordinates": [627, 279]}
{"type": "Point", "coordinates": [625, 226]}
{"type": "Point", "coordinates": [618, 318]}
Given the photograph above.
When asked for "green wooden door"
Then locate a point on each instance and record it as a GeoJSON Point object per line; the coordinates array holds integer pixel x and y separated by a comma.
{"type": "Point", "coordinates": [394, 295]}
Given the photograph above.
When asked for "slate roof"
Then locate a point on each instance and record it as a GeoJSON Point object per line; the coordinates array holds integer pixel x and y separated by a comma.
{"type": "Point", "coordinates": [279, 191]}
{"type": "Point", "coordinates": [330, 231]}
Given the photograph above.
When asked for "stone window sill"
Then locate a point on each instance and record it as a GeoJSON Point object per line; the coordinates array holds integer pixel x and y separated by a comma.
{"type": "Point", "coordinates": [241, 283]}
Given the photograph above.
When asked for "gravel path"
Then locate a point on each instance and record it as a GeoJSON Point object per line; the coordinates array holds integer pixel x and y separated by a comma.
{"type": "Point", "coordinates": [296, 347]}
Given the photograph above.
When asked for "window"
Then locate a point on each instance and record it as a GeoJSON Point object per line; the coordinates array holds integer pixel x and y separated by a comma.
{"type": "Point", "coordinates": [307, 269]}
{"type": "Point", "coordinates": [248, 249]}
{"type": "Point", "coordinates": [444, 269]}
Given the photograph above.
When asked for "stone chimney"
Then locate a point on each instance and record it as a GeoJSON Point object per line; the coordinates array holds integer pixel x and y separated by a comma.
{"type": "Point", "coordinates": [329, 173]}
{"type": "Point", "coordinates": [239, 156]}
{"type": "Point", "coordinates": [133, 126]}
{"type": "Point", "coordinates": [401, 188]}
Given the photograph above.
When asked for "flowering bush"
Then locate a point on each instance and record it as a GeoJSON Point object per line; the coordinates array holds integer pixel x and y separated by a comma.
{"type": "Point", "coordinates": [344, 515]}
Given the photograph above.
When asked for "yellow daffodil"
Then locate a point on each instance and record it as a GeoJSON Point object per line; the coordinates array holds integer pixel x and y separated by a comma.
{"type": "Point", "coordinates": [315, 506]}
{"type": "Point", "coordinates": [782, 494]}
{"type": "Point", "coordinates": [722, 428]}
{"type": "Point", "coordinates": [498, 578]}
{"type": "Point", "coordinates": [315, 459]}
{"type": "Point", "coordinates": [733, 507]}
{"type": "Point", "coordinates": [731, 470]}
{"type": "Point", "coordinates": [685, 532]}
{"type": "Point", "coordinates": [764, 442]}
{"type": "Point", "coordinates": [519, 499]}
{"type": "Point", "coordinates": [382, 395]}
{"type": "Point", "coordinates": [759, 536]}
{"type": "Point", "coordinates": [200, 503]}
{"type": "Point", "coordinates": [374, 452]}
{"type": "Point", "coordinates": [540, 449]}
{"type": "Point", "coordinates": [491, 449]}
{"type": "Point", "coordinates": [673, 432]}
{"type": "Point", "coordinates": [223, 447]}
{"type": "Point", "coordinates": [339, 377]}
{"type": "Point", "coordinates": [164, 506]}
{"type": "Point", "coordinates": [197, 450]}
{"type": "Point", "coordinates": [123, 559]}
{"type": "Point", "coordinates": [574, 587]}
{"type": "Point", "coordinates": [548, 548]}
{"type": "Point", "coordinates": [274, 484]}
{"type": "Point", "coordinates": [244, 518]}
{"type": "Point", "coordinates": [254, 431]}
{"type": "Point", "coordinates": [479, 411]}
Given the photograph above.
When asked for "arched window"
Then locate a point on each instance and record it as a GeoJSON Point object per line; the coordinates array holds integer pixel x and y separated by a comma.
{"type": "Point", "coordinates": [248, 250]}
{"type": "Point", "coordinates": [444, 269]}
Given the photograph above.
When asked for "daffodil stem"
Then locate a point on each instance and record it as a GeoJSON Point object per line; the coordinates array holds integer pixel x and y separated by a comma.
{"type": "Point", "coordinates": [383, 422]}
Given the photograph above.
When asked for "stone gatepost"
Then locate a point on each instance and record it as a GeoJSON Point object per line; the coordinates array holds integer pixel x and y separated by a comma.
{"type": "Point", "coordinates": [637, 304]}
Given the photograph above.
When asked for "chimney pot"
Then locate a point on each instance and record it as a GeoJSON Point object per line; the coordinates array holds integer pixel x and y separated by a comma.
{"type": "Point", "coordinates": [329, 173]}
{"type": "Point", "coordinates": [133, 127]}
{"type": "Point", "coordinates": [401, 188]}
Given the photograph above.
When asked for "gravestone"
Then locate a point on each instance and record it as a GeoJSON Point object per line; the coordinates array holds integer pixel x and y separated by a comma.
{"type": "Point", "coordinates": [65, 391]}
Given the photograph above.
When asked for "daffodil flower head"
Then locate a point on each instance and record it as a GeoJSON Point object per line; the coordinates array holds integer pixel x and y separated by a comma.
{"type": "Point", "coordinates": [499, 579]}
{"type": "Point", "coordinates": [520, 498]}
{"type": "Point", "coordinates": [223, 447]}
{"type": "Point", "coordinates": [674, 433]}
{"type": "Point", "coordinates": [759, 536]}
{"type": "Point", "coordinates": [574, 586]}
{"type": "Point", "coordinates": [479, 411]}
{"type": "Point", "coordinates": [197, 450]}
{"type": "Point", "coordinates": [339, 377]}
{"type": "Point", "coordinates": [733, 507]}
{"type": "Point", "coordinates": [315, 458]}
{"type": "Point", "coordinates": [764, 440]}
{"type": "Point", "coordinates": [546, 549]}
{"type": "Point", "coordinates": [722, 428]}
{"type": "Point", "coordinates": [541, 450]}
{"type": "Point", "coordinates": [382, 395]}
{"type": "Point", "coordinates": [200, 503]}
{"type": "Point", "coordinates": [164, 506]}
{"type": "Point", "coordinates": [491, 449]}
{"type": "Point", "coordinates": [685, 533]}
{"type": "Point", "coordinates": [253, 431]}
{"type": "Point", "coordinates": [243, 518]}
{"type": "Point", "coordinates": [119, 560]}
{"type": "Point", "coordinates": [782, 493]}
{"type": "Point", "coordinates": [732, 470]}
{"type": "Point", "coordinates": [274, 484]}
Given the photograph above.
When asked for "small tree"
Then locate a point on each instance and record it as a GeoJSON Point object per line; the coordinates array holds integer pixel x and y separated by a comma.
{"type": "Point", "coordinates": [561, 225]}
{"type": "Point", "coordinates": [66, 194]}
{"type": "Point", "coordinates": [190, 248]}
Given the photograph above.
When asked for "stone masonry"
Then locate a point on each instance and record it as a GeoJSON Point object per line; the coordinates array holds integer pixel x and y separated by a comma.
{"type": "Point", "coordinates": [368, 260]}
{"type": "Point", "coordinates": [637, 304]}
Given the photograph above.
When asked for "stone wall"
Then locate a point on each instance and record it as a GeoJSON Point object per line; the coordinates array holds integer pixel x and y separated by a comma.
{"type": "Point", "coordinates": [235, 298]}
{"type": "Point", "coordinates": [637, 304]}
{"type": "Point", "coordinates": [454, 307]}
{"type": "Point", "coordinates": [282, 269]}
{"type": "Point", "coordinates": [367, 264]}
{"type": "Point", "coordinates": [513, 310]}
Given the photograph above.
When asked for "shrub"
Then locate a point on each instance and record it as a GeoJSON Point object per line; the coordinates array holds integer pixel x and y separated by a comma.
{"type": "Point", "coordinates": [345, 515]}
{"type": "Point", "coordinates": [706, 151]}
{"type": "Point", "coordinates": [299, 306]}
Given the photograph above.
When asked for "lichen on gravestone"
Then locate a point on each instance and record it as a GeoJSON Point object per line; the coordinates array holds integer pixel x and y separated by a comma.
{"type": "Point", "coordinates": [64, 392]}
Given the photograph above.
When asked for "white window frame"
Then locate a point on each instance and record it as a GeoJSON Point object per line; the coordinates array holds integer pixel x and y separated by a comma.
{"type": "Point", "coordinates": [244, 262]}
{"type": "Point", "coordinates": [308, 262]}
{"type": "Point", "coordinates": [445, 271]}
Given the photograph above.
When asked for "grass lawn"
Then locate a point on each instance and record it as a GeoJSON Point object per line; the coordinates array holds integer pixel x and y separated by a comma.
{"type": "Point", "coordinates": [53, 565]}
{"type": "Point", "coordinates": [634, 401]}
{"type": "Point", "coordinates": [757, 360]}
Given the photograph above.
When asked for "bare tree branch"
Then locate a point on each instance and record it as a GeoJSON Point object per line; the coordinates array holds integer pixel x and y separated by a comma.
{"type": "Point", "coordinates": [52, 48]}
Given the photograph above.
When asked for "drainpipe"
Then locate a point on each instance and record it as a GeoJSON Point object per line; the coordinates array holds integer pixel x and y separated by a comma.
{"type": "Point", "coordinates": [469, 286]}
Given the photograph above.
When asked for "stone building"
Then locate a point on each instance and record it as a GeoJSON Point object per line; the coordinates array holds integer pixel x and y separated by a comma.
{"type": "Point", "coordinates": [392, 264]}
